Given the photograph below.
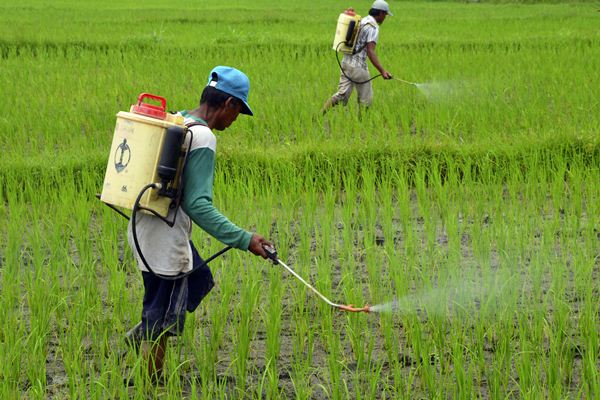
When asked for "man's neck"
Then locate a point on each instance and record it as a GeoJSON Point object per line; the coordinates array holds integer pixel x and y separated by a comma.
{"type": "Point", "coordinates": [204, 113]}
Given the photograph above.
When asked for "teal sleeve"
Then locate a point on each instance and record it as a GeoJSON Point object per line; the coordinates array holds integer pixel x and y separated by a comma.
{"type": "Point", "coordinates": [198, 180]}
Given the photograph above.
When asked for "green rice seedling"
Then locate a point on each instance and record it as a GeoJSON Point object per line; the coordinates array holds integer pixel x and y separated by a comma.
{"type": "Point", "coordinates": [245, 328]}
{"type": "Point", "coordinates": [534, 328]}
{"type": "Point", "coordinates": [301, 369]}
{"type": "Point", "coordinates": [334, 363]}
{"type": "Point", "coordinates": [468, 203]}
{"type": "Point", "coordinates": [273, 326]}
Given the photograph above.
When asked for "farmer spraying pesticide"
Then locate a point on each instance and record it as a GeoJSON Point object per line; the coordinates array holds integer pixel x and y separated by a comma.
{"type": "Point", "coordinates": [357, 47]}
{"type": "Point", "coordinates": [161, 167]}
{"type": "Point", "coordinates": [178, 278]}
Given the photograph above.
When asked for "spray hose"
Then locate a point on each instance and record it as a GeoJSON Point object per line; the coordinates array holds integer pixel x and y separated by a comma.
{"type": "Point", "coordinates": [136, 208]}
{"type": "Point", "coordinates": [337, 57]}
{"type": "Point", "coordinates": [177, 198]}
{"type": "Point", "coordinates": [269, 250]}
{"type": "Point", "coordinates": [272, 255]}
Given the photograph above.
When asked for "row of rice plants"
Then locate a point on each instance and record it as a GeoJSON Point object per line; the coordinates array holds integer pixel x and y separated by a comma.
{"type": "Point", "coordinates": [264, 22]}
{"type": "Point", "coordinates": [495, 287]}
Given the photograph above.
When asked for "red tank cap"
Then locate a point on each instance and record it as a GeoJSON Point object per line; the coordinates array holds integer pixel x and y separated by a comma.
{"type": "Point", "coordinates": [150, 110]}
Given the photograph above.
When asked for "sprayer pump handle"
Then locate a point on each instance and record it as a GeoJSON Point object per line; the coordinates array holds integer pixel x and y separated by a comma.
{"type": "Point", "coordinates": [271, 253]}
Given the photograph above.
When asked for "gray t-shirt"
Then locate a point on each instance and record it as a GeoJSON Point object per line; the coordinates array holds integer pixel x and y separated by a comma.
{"type": "Point", "coordinates": [369, 32]}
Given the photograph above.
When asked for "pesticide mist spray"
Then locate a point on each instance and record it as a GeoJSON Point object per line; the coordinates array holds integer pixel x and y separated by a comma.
{"type": "Point", "coordinates": [454, 297]}
{"type": "Point", "coordinates": [438, 91]}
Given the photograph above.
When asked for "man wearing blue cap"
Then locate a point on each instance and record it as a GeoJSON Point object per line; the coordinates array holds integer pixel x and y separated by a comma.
{"type": "Point", "coordinates": [355, 73]}
{"type": "Point", "coordinates": [170, 249]}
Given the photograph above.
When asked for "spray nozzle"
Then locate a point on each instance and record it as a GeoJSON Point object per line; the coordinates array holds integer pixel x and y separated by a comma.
{"type": "Point", "coordinates": [351, 308]}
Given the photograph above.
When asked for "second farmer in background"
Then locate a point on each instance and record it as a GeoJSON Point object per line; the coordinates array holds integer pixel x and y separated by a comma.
{"type": "Point", "coordinates": [355, 72]}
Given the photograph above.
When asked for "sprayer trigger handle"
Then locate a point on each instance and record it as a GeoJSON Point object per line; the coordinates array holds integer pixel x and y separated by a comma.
{"type": "Point", "coordinates": [271, 253]}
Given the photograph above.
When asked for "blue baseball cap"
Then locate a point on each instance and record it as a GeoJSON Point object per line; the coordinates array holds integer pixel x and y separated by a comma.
{"type": "Point", "coordinates": [231, 81]}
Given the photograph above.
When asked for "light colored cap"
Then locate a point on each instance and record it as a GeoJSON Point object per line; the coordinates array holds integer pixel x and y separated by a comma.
{"type": "Point", "coordinates": [383, 6]}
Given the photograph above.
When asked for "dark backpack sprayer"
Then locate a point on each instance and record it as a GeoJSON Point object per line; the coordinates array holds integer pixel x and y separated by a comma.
{"type": "Point", "coordinates": [145, 167]}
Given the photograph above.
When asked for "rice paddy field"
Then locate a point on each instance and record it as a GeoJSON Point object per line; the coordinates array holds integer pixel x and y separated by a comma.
{"type": "Point", "coordinates": [465, 208]}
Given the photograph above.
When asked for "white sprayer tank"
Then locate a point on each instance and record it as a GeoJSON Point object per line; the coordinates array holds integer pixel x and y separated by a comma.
{"type": "Point", "coordinates": [346, 31]}
{"type": "Point", "coordinates": [135, 153]}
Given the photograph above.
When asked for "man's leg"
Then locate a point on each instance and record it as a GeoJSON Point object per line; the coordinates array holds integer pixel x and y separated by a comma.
{"type": "Point", "coordinates": [343, 93]}
{"type": "Point", "coordinates": [163, 315]}
{"type": "Point", "coordinates": [364, 90]}
{"type": "Point", "coordinates": [153, 352]}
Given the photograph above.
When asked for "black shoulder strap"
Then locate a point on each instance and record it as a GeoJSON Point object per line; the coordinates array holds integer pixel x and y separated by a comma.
{"type": "Point", "coordinates": [355, 51]}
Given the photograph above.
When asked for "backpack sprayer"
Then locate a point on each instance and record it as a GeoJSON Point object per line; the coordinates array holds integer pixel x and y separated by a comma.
{"type": "Point", "coordinates": [147, 147]}
{"type": "Point", "coordinates": [145, 167]}
{"type": "Point", "coordinates": [346, 35]}
{"type": "Point", "coordinates": [346, 32]}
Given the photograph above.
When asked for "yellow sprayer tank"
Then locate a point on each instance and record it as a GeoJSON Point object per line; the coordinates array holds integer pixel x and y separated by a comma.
{"type": "Point", "coordinates": [346, 31]}
{"type": "Point", "coordinates": [135, 153]}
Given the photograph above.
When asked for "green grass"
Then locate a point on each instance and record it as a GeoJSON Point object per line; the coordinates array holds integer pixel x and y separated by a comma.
{"type": "Point", "coordinates": [514, 73]}
{"type": "Point", "coordinates": [475, 209]}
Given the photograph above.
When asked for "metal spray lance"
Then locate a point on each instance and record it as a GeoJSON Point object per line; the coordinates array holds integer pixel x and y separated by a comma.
{"type": "Point", "coordinates": [272, 254]}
